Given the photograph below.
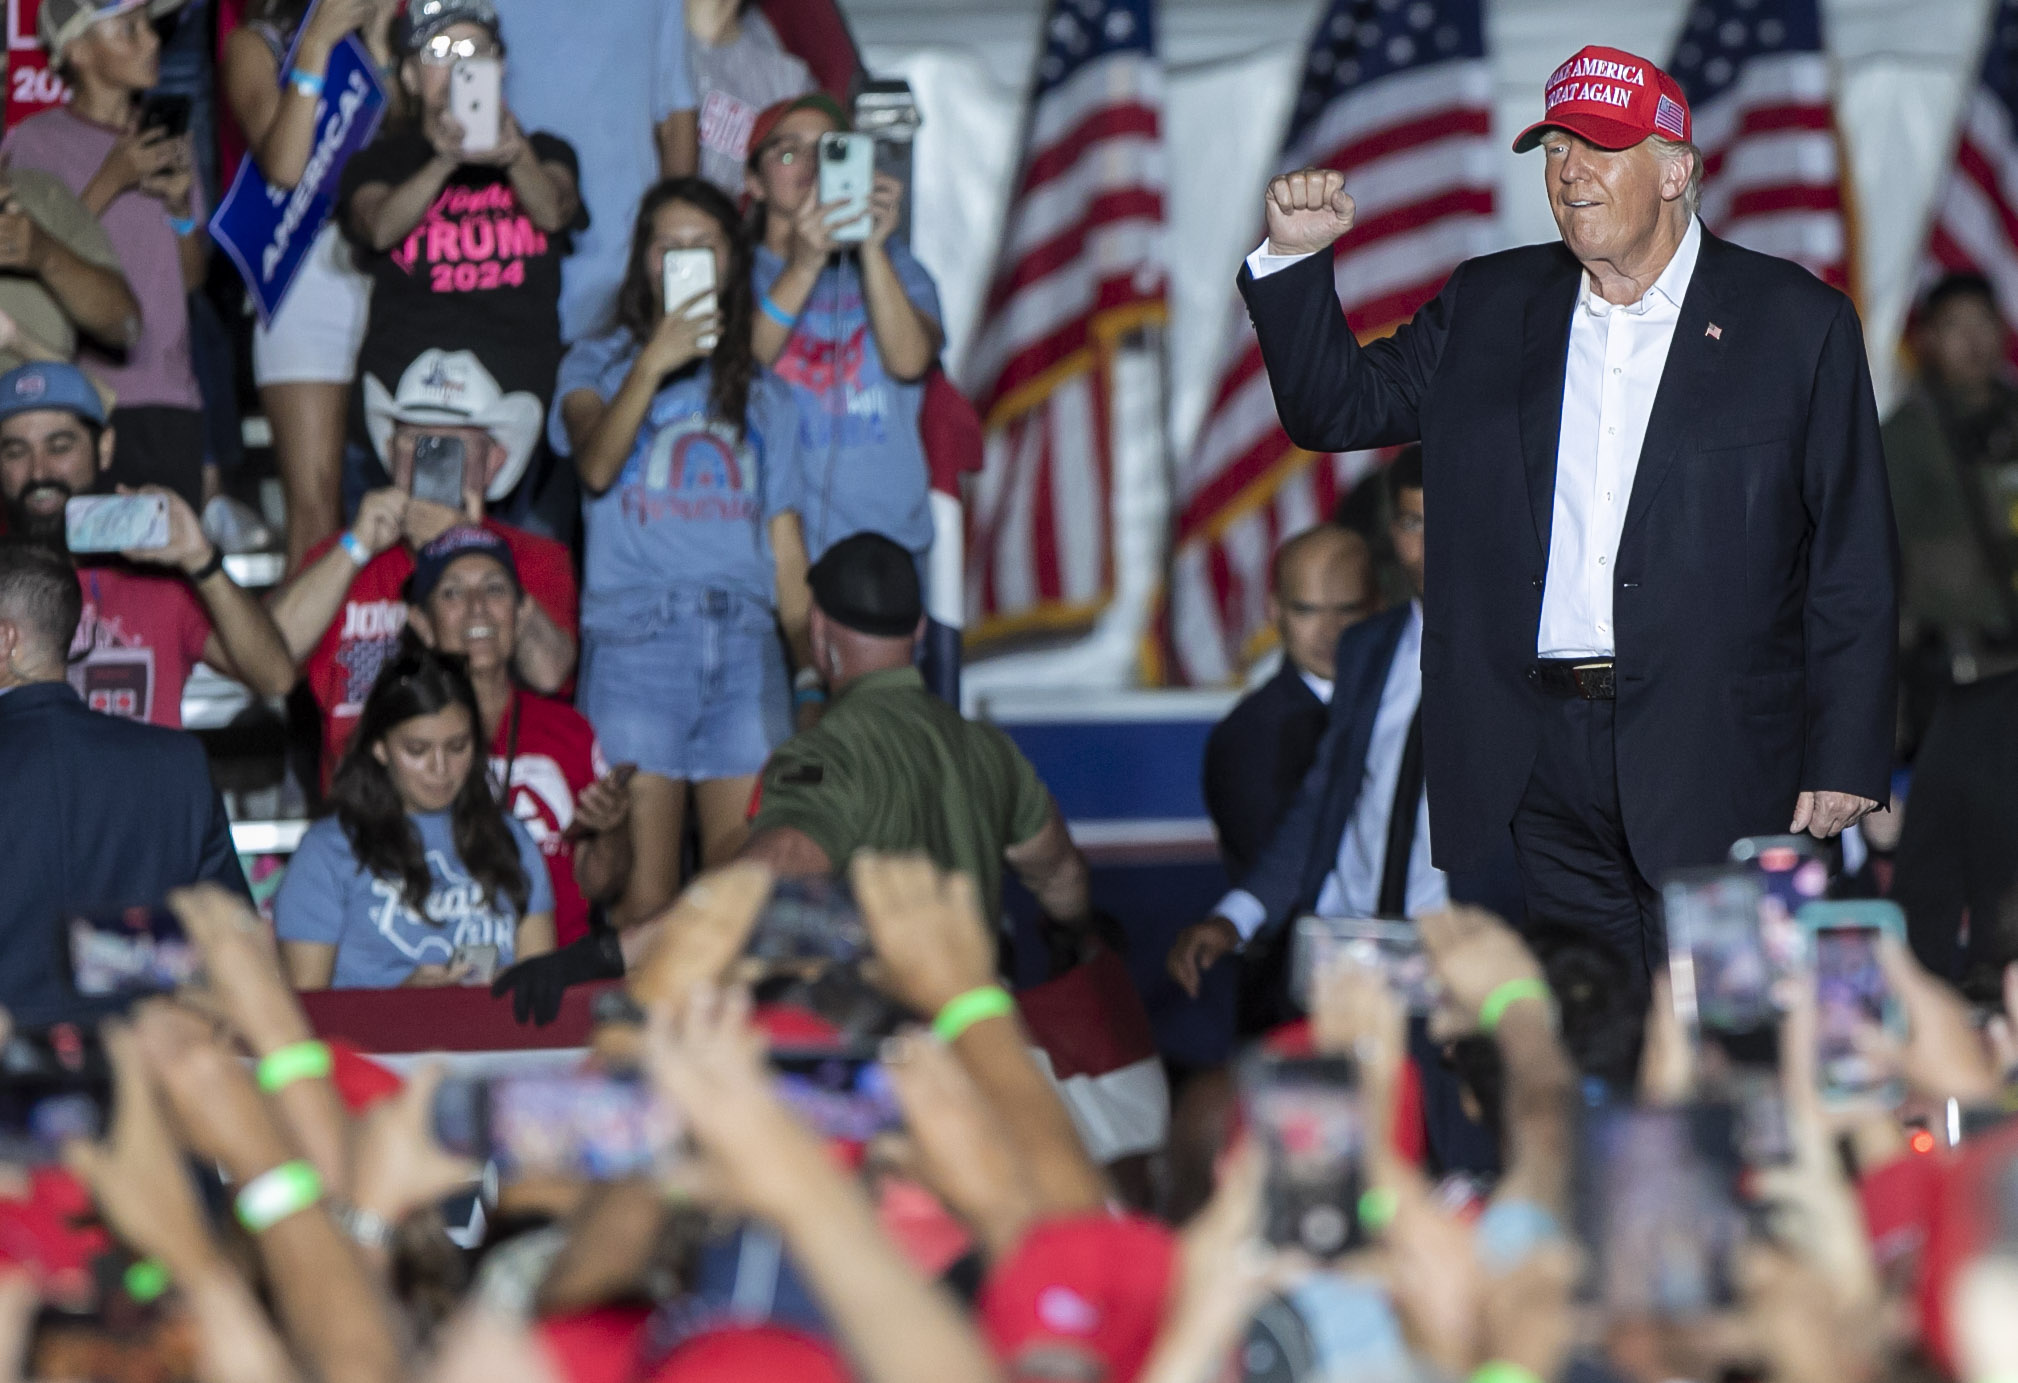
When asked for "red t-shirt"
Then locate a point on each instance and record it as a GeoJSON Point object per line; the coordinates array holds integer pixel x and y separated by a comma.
{"type": "Point", "coordinates": [554, 760]}
{"type": "Point", "coordinates": [141, 636]}
{"type": "Point", "coordinates": [361, 638]}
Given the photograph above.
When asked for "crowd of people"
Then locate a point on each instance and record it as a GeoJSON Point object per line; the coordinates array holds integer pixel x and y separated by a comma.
{"type": "Point", "coordinates": [608, 600]}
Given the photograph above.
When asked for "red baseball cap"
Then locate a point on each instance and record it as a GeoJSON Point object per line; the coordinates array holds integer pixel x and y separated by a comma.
{"type": "Point", "coordinates": [1612, 98]}
{"type": "Point", "coordinates": [1096, 1282]}
{"type": "Point", "coordinates": [753, 1354]}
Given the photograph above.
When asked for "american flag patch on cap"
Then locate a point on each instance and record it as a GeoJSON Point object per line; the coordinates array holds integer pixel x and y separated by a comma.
{"type": "Point", "coordinates": [1668, 118]}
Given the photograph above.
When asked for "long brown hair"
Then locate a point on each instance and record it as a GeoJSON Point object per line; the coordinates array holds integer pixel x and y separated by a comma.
{"type": "Point", "coordinates": [420, 681]}
{"type": "Point", "coordinates": [733, 365]}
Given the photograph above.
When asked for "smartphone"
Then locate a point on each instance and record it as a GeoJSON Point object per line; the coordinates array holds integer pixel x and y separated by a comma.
{"type": "Point", "coordinates": [140, 950]}
{"type": "Point", "coordinates": [476, 100]}
{"type": "Point", "coordinates": [1392, 948]}
{"type": "Point", "coordinates": [1306, 1112]}
{"type": "Point", "coordinates": [1722, 974]}
{"type": "Point", "coordinates": [844, 1096]}
{"type": "Point", "coordinates": [166, 112]}
{"type": "Point", "coordinates": [1794, 871]}
{"type": "Point", "coordinates": [45, 1101]}
{"type": "Point", "coordinates": [1852, 996]}
{"type": "Point", "coordinates": [587, 1127]}
{"type": "Point", "coordinates": [115, 523]}
{"type": "Point", "coordinates": [481, 962]}
{"type": "Point", "coordinates": [809, 920]}
{"type": "Point", "coordinates": [685, 273]}
{"type": "Point", "coordinates": [847, 173]}
{"type": "Point", "coordinates": [1657, 1202]}
{"type": "Point", "coordinates": [438, 469]}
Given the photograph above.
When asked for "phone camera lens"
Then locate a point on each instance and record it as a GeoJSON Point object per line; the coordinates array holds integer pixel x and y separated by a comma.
{"type": "Point", "coordinates": [837, 152]}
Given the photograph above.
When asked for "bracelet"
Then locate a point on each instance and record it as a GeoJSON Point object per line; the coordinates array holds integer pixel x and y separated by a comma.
{"type": "Point", "coordinates": [355, 549]}
{"type": "Point", "coordinates": [807, 677]}
{"type": "Point", "coordinates": [182, 225]}
{"type": "Point", "coordinates": [1500, 1371]}
{"type": "Point", "coordinates": [1506, 996]}
{"type": "Point", "coordinates": [366, 1228]}
{"type": "Point", "coordinates": [809, 696]}
{"type": "Point", "coordinates": [1377, 1208]}
{"type": "Point", "coordinates": [271, 1197]}
{"type": "Point", "coordinates": [145, 1280]}
{"type": "Point", "coordinates": [777, 314]}
{"type": "Point", "coordinates": [308, 84]}
{"type": "Point", "coordinates": [210, 568]}
{"type": "Point", "coordinates": [299, 1061]}
{"type": "Point", "coordinates": [963, 1011]}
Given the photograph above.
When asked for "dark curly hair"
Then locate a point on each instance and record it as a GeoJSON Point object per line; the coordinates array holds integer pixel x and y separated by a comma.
{"type": "Point", "coordinates": [418, 682]}
{"type": "Point", "coordinates": [733, 363]}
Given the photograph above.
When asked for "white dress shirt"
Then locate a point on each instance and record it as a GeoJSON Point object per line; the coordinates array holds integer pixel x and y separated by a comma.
{"type": "Point", "coordinates": [1616, 356]}
{"type": "Point", "coordinates": [1352, 889]}
{"type": "Point", "coordinates": [1319, 688]}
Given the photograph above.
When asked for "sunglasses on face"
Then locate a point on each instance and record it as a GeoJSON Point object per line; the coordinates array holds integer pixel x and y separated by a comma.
{"type": "Point", "coordinates": [442, 50]}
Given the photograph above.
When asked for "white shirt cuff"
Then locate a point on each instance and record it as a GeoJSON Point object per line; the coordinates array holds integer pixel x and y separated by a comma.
{"type": "Point", "coordinates": [1261, 263]}
{"type": "Point", "coordinates": [1244, 911]}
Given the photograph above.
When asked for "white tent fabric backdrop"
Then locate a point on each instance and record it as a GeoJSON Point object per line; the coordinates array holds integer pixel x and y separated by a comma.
{"type": "Point", "coordinates": [1903, 66]}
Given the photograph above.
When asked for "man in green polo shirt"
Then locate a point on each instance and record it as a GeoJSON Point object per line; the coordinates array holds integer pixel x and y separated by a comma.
{"type": "Point", "coordinates": [892, 767]}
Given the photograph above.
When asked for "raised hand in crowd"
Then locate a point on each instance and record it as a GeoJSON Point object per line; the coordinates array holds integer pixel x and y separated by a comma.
{"type": "Point", "coordinates": [960, 1149]}
{"type": "Point", "coordinates": [137, 158]}
{"type": "Point", "coordinates": [886, 209]}
{"type": "Point", "coordinates": [676, 340]}
{"type": "Point", "coordinates": [400, 1167]}
{"type": "Point", "coordinates": [1307, 210]}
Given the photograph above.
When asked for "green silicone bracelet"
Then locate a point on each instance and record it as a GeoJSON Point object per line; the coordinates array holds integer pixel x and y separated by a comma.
{"type": "Point", "coordinates": [146, 1280]}
{"type": "Point", "coordinates": [1377, 1207]}
{"type": "Point", "coordinates": [975, 1006]}
{"type": "Point", "coordinates": [271, 1197]}
{"type": "Point", "coordinates": [1500, 1371]}
{"type": "Point", "coordinates": [284, 1066]}
{"type": "Point", "coordinates": [1505, 997]}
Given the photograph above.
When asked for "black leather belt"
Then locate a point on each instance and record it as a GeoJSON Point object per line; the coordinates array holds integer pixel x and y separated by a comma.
{"type": "Point", "coordinates": [1591, 679]}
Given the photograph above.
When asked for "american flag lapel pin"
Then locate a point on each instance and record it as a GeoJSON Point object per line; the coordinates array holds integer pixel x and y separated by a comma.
{"type": "Point", "coordinates": [1714, 332]}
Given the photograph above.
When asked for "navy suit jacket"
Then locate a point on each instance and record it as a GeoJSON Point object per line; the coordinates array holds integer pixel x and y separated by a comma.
{"type": "Point", "coordinates": [98, 813]}
{"type": "Point", "coordinates": [1291, 870]}
{"type": "Point", "coordinates": [1754, 591]}
{"type": "Point", "coordinates": [1255, 760]}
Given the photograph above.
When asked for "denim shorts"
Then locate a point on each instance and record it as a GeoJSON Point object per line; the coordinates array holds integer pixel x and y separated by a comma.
{"type": "Point", "coordinates": [689, 685]}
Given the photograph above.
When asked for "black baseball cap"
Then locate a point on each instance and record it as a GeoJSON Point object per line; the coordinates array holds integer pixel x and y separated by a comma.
{"type": "Point", "coordinates": [868, 584]}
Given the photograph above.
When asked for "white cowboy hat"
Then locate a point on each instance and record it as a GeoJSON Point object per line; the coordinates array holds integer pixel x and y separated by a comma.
{"type": "Point", "coordinates": [453, 389]}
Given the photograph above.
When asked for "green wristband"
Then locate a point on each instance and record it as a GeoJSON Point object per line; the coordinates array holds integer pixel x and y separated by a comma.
{"type": "Point", "coordinates": [1500, 1371]}
{"type": "Point", "coordinates": [1377, 1207]}
{"type": "Point", "coordinates": [975, 1006]}
{"type": "Point", "coordinates": [271, 1197]}
{"type": "Point", "coordinates": [1494, 1008]}
{"type": "Point", "coordinates": [284, 1066]}
{"type": "Point", "coordinates": [146, 1280]}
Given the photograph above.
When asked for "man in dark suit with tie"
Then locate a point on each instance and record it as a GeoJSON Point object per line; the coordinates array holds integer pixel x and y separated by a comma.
{"type": "Point", "coordinates": [1659, 608]}
{"type": "Point", "coordinates": [98, 812]}
{"type": "Point", "coordinates": [1321, 582]}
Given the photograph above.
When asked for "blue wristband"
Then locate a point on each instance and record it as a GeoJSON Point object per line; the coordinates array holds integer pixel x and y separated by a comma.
{"type": "Point", "coordinates": [808, 696]}
{"type": "Point", "coordinates": [354, 547]}
{"type": "Point", "coordinates": [308, 84]}
{"type": "Point", "coordinates": [776, 313]}
{"type": "Point", "coordinates": [182, 225]}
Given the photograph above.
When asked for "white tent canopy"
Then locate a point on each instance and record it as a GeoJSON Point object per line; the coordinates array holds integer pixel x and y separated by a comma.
{"type": "Point", "coordinates": [1902, 71]}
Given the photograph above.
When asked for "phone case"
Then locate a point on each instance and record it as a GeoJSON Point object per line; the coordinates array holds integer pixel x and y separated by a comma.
{"type": "Point", "coordinates": [685, 273]}
{"type": "Point", "coordinates": [115, 523]}
{"type": "Point", "coordinates": [476, 100]}
{"type": "Point", "coordinates": [847, 172]}
{"type": "Point", "coordinates": [1392, 948]}
{"type": "Point", "coordinates": [438, 464]}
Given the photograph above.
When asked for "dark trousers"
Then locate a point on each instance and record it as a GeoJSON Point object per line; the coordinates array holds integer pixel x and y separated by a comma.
{"type": "Point", "coordinates": [1570, 840]}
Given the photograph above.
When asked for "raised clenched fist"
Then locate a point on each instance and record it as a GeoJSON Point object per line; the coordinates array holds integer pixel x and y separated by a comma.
{"type": "Point", "coordinates": [1307, 211]}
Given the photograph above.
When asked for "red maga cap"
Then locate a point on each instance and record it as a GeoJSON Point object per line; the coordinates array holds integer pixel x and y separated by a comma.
{"type": "Point", "coordinates": [1613, 99]}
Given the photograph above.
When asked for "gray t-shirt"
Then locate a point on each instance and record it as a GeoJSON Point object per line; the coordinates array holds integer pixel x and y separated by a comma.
{"type": "Point", "coordinates": [733, 83]}
{"type": "Point", "coordinates": [379, 939]}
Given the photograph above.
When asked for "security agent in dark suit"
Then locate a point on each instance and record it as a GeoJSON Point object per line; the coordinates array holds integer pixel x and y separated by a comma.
{"type": "Point", "coordinates": [98, 812]}
{"type": "Point", "coordinates": [1321, 582]}
{"type": "Point", "coordinates": [1659, 608]}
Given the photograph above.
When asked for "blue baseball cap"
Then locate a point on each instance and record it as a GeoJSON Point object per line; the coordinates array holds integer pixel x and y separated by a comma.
{"type": "Point", "coordinates": [432, 562]}
{"type": "Point", "coordinates": [44, 384]}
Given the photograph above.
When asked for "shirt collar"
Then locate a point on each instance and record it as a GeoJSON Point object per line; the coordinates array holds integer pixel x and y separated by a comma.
{"type": "Point", "coordinates": [1672, 285]}
{"type": "Point", "coordinates": [884, 680]}
{"type": "Point", "coordinates": [1319, 687]}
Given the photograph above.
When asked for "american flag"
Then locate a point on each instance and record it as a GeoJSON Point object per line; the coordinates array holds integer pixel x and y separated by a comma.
{"type": "Point", "coordinates": [1081, 264]}
{"type": "Point", "coordinates": [1975, 222]}
{"type": "Point", "coordinates": [1397, 95]}
{"type": "Point", "coordinates": [1759, 85]}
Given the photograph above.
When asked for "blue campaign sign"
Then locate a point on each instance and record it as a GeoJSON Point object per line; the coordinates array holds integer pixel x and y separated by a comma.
{"type": "Point", "coordinates": [268, 230]}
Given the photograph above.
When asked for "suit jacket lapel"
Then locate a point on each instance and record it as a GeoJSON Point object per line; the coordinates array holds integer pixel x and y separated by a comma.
{"type": "Point", "coordinates": [1545, 347]}
{"type": "Point", "coordinates": [1686, 380]}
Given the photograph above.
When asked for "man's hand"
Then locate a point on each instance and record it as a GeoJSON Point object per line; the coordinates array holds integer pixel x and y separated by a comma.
{"type": "Point", "coordinates": [422, 521]}
{"type": "Point", "coordinates": [1307, 211]}
{"type": "Point", "coordinates": [703, 933]}
{"type": "Point", "coordinates": [186, 547]}
{"type": "Point", "coordinates": [381, 518]}
{"type": "Point", "coordinates": [926, 927]}
{"type": "Point", "coordinates": [1825, 814]}
{"type": "Point", "coordinates": [241, 969]}
{"type": "Point", "coordinates": [1197, 949]}
{"type": "Point", "coordinates": [400, 1166]}
{"type": "Point", "coordinates": [209, 1092]}
{"type": "Point", "coordinates": [1473, 953]}
{"type": "Point", "coordinates": [135, 157]}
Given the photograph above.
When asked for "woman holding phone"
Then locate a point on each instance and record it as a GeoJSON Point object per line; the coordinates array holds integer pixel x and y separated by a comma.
{"type": "Point", "coordinates": [302, 360]}
{"type": "Point", "coordinates": [418, 878]}
{"type": "Point", "coordinates": [688, 453]}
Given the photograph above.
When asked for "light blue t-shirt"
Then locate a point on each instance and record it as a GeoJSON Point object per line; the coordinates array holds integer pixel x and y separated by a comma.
{"type": "Point", "coordinates": [602, 78]}
{"type": "Point", "coordinates": [379, 940]}
{"type": "Point", "coordinates": [858, 428]}
{"type": "Point", "coordinates": [693, 504]}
